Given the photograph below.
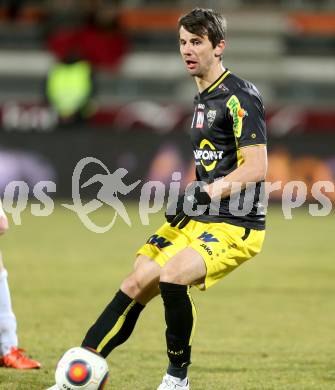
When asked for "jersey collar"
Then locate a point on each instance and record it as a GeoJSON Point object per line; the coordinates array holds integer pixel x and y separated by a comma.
{"type": "Point", "coordinates": [215, 84]}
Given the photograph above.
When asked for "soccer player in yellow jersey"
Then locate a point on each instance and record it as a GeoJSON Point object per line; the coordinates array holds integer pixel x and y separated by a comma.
{"type": "Point", "coordinates": [228, 136]}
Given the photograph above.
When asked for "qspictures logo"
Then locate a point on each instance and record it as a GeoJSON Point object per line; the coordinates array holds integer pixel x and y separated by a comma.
{"type": "Point", "coordinates": [115, 186]}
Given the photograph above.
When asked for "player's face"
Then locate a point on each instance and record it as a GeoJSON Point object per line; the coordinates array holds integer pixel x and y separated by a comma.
{"type": "Point", "coordinates": [197, 52]}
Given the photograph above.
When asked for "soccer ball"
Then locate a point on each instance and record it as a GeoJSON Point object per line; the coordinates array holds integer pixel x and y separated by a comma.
{"type": "Point", "coordinates": [81, 369]}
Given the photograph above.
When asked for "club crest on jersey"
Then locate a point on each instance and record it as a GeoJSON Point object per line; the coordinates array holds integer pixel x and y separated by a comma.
{"type": "Point", "coordinates": [211, 114]}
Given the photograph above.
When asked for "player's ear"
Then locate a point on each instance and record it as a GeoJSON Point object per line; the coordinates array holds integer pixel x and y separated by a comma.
{"type": "Point", "coordinates": [218, 51]}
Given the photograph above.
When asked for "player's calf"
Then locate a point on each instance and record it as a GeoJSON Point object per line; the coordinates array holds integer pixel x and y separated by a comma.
{"type": "Point", "coordinates": [184, 269]}
{"type": "Point", "coordinates": [180, 316]}
{"type": "Point", "coordinates": [118, 320]}
{"type": "Point", "coordinates": [108, 331]}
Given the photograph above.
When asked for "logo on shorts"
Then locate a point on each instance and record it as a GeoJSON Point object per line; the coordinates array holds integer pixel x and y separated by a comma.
{"type": "Point", "coordinates": [207, 249]}
{"type": "Point", "coordinates": [207, 237]}
{"type": "Point", "coordinates": [158, 241]}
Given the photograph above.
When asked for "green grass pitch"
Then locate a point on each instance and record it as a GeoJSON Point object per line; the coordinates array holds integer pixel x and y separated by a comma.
{"type": "Point", "coordinates": [269, 325]}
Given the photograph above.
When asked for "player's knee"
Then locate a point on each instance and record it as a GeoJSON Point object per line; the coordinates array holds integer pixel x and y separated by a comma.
{"type": "Point", "coordinates": [170, 274]}
{"type": "Point", "coordinates": [131, 286]}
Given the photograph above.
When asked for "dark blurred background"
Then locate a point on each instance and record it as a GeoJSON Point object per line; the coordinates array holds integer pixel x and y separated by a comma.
{"type": "Point", "coordinates": [104, 78]}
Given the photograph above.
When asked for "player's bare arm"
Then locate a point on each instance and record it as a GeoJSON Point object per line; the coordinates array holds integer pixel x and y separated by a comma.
{"type": "Point", "coordinates": [252, 170]}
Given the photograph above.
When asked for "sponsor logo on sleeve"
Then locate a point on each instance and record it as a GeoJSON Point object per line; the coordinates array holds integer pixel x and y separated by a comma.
{"type": "Point", "coordinates": [237, 113]}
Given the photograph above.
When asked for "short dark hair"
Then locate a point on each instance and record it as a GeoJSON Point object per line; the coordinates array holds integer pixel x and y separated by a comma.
{"type": "Point", "coordinates": [205, 21]}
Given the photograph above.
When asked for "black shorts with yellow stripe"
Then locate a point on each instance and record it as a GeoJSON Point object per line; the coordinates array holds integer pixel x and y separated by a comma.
{"type": "Point", "coordinates": [222, 246]}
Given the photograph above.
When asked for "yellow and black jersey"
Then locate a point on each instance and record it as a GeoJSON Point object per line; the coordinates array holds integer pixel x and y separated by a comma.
{"type": "Point", "coordinates": [228, 116]}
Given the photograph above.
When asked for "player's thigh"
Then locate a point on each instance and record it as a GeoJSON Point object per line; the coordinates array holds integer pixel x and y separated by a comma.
{"type": "Point", "coordinates": [146, 270]}
{"type": "Point", "coordinates": [143, 280]}
{"type": "Point", "coordinates": [224, 247]}
{"type": "Point", "coordinates": [186, 267]}
{"type": "Point", "coordinates": [165, 243]}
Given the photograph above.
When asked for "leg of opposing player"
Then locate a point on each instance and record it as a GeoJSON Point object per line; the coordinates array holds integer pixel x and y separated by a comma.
{"type": "Point", "coordinates": [10, 355]}
{"type": "Point", "coordinates": [8, 337]}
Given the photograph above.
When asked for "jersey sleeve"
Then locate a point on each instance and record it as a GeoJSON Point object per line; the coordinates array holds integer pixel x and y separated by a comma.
{"type": "Point", "coordinates": [246, 113]}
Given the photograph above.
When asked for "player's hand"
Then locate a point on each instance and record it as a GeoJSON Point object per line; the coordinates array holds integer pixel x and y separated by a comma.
{"type": "Point", "coordinates": [195, 195]}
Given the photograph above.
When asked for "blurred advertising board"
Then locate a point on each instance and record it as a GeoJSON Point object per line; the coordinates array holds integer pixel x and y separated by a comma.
{"type": "Point", "coordinates": [149, 156]}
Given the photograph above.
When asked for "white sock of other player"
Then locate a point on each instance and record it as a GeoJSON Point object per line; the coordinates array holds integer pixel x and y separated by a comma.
{"type": "Point", "coordinates": [8, 336]}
